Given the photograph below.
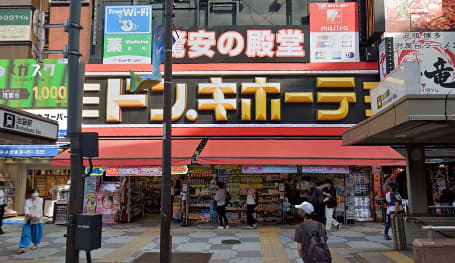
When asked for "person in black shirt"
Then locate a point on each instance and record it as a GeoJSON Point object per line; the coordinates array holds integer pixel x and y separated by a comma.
{"type": "Point", "coordinates": [331, 204]}
{"type": "Point", "coordinates": [319, 201]}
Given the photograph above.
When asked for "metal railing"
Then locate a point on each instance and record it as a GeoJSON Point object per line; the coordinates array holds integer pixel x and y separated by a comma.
{"type": "Point", "coordinates": [442, 209]}
{"type": "Point", "coordinates": [430, 230]}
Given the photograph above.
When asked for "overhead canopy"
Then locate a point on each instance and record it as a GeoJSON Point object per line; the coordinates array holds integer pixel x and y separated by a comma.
{"type": "Point", "coordinates": [135, 153]}
{"type": "Point", "coordinates": [297, 152]}
{"type": "Point", "coordinates": [424, 119]}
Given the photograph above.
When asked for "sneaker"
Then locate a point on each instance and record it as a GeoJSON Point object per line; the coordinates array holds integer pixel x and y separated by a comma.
{"type": "Point", "coordinates": [254, 225]}
{"type": "Point", "coordinates": [1, 232]}
{"type": "Point", "coordinates": [220, 228]}
{"type": "Point", "coordinates": [227, 226]}
{"type": "Point", "coordinates": [339, 226]}
{"type": "Point", "coordinates": [386, 237]}
{"type": "Point", "coordinates": [250, 227]}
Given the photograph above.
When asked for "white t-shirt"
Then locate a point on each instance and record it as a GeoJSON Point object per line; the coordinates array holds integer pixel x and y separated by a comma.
{"type": "Point", "coordinates": [391, 204]}
{"type": "Point", "coordinates": [250, 198]}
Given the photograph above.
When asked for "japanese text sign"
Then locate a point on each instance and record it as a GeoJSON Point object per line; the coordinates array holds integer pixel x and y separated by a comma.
{"type": "Point", "coordinates": [334, 32]}
{"type": "Point", "coordinates": [26, 84]}
{"type": "Point", "coordinates": [127, 34]}
{"type": "Point", "coordinates": [15, 24]}
{"type": "Point", "coordinates": [58, 115]}
{"type": "Point", "coordinates": [434, 51]}
{"type": "Point", "coordinates": [325, 169]}
{"type": "Point", "coordinates": [23, 124]}
{"type": "Point", "coordinates": [28, 150]}
{"type": "Point", "coordinates": [239, 100]}
{"type": "Point", "coordinates": [242, 44]}
{"type": "Point", "coordinates": [144, 170]}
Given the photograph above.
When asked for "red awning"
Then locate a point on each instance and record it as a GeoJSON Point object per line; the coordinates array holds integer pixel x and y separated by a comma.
{"type": "Point", "coordinates": [297, 152]}
{"type": "Point", "coordinates": [135, 152]}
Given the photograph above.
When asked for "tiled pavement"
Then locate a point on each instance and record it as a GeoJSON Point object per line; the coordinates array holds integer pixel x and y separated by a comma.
{"type": "Point", "coordinates": [124, 243]}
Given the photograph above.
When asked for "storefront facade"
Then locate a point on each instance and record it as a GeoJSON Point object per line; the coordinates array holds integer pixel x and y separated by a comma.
{"type": "Point", "coordinates": [279, 129]}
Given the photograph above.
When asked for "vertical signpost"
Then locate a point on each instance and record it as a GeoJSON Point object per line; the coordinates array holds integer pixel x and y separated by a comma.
{"type": "Point", "coordinates": [74, 128]}
{"type": "Point", "coordinates": [165, 232]}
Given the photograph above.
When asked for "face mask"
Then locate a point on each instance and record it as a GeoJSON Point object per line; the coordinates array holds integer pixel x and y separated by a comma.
{"type": "Point", "coordinates": [35, 195]}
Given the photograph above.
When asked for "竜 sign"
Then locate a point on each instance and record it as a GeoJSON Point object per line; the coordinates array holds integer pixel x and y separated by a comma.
{"type": "Point", "coordinates": [26, 84]}
{"type": "Point", "coordinates": [233, 100]}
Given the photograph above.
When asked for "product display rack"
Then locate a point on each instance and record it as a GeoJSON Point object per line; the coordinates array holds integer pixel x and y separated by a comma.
{"type": "Point", "coordinates": [136, 198]}
{"type": "Point", "coordinates": [201, 197]}
{"type": "Point", "coordinates": [358, 195]}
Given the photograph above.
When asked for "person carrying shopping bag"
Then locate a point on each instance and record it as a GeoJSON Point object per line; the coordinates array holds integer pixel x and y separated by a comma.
{"type": "Point", "coordinates": [32, 230]}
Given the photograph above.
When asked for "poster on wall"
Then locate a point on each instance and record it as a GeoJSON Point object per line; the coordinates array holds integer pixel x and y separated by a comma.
{"type": "Point", "coordinates": [127, 34]}
{"type": "Point", "coordinates": [15, 25]}
{"type": "Point", "coordinates": [107, 202]}
{"type": "Point", "coordinates": [434, 51]}
{"type": "Point", "coordinates": [90, 195]}
{"type": "Point", "coordinates": [334, 32]}
{"type": "Point", "coordinates": [419, 15]}
{"type": "Point", "coordinates": [26, 84]}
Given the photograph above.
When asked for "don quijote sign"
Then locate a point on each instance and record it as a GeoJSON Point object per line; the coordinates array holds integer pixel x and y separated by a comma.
{"type": "Point", "coordinates": [232, 100]}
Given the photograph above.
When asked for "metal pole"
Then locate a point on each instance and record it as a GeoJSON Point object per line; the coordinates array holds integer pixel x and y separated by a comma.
{"type": "Point", "coordinates": [74, 128]}
{"type": "Point", "coordinates": [165, 234]}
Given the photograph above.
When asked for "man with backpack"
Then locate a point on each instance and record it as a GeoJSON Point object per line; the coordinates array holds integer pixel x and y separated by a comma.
{"type": "Point", "coordinates": [311, 237]}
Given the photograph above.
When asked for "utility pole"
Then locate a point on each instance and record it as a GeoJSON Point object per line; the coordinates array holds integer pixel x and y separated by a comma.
{"type": "Point", "coordinates": [165, 233]}
{"type": "Point", "coordinates": [74, 128]}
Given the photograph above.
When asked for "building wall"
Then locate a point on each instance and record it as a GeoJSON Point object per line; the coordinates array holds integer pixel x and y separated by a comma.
{"type": "Point", "coordinates": [58, 38]}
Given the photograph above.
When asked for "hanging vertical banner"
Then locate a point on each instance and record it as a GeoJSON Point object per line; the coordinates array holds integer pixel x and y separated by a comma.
{"type": "Point", "coordinates": [127, 34]}
{"type": "Point", "coordinates": [334, 32]}
{"type": "Point", "coordinates": [90, 195]}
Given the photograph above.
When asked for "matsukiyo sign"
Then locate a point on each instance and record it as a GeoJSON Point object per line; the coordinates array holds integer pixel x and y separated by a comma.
{"type": "Point", "coordinates": [242, 44]}
{"type": "Point", "coordinates": [239, 100]}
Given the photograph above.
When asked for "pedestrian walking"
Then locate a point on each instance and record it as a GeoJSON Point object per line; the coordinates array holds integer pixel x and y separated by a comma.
{"type": "Point", "coordinates": [319, 201]}
{"type": "Point", "coordinates": [3, 202]}
{"type": "Point", "coordinates": [220, 198]}
{"type": "Point", "coordinates": [251, 203]}
{"type": "Point", "coordinates": [393, 199]}
{"type": "Point", "coordinates": [330, 207]}
{"type": "Point", "coordinates": [311, 237]}
{"type": "Point", "coordinates": [32, 230]}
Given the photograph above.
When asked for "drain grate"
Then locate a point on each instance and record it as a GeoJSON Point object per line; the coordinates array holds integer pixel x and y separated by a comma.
{"type": "Point", "coordinates": [231, 241]}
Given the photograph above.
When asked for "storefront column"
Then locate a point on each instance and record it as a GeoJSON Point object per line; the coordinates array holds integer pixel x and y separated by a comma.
{"type": "Point", "coordinates": [415, 175]}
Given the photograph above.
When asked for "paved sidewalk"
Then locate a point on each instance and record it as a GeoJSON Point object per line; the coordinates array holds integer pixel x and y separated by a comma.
{"type": "Point", "coordinates": [126, 242]}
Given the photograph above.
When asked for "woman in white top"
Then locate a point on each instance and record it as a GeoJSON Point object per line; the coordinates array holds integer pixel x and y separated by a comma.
{"type": "Point", "coordinates": [251, 205]}
{"type": "Point", "coordinates": [32, 230]}
{"type": "Point", "coordinates": [220, 198]}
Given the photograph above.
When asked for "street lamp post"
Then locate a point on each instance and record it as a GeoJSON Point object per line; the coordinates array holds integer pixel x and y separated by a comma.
{"type": "Point", "coordinates": [74, 128]}
{"type": "Point", "coordinates": [165, 233]}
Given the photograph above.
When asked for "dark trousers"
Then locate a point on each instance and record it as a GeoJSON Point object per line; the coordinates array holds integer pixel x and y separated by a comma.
{"type": "Point", "coordinates": [249, 215]}
{"type": "Point", "coordinates": [388, 224]}
{"type": "Point", "coordinates": [221, 210]}
{"type": "Point", "coordinates": [2, 211]}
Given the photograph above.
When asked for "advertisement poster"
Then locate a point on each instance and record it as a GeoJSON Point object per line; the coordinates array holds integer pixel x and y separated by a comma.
{"type": "Point", "coordinates": [107, 202]}
{"type": "Point", "coordinates": [15, 24]}
{"type": "Point", "coordinates": [127, 34]}
{"type": "Point", "coordinates": [26, 84]}
{"type": "Point", "coordinates": [334, 32]}
{"type": "Point", "coordinates": [419, 15]}
{"type": "Point", "coordinates": [435, 51]}
{"type": "Point", "coordinates": [268, 169]}
{"type": "Point", "coordinates": [90, 195]}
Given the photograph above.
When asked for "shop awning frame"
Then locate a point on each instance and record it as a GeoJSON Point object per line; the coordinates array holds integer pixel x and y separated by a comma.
{"type": "Point", "coordinates": [131, 152]}
{"type": "Point", "coordinates": [296, 152]}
